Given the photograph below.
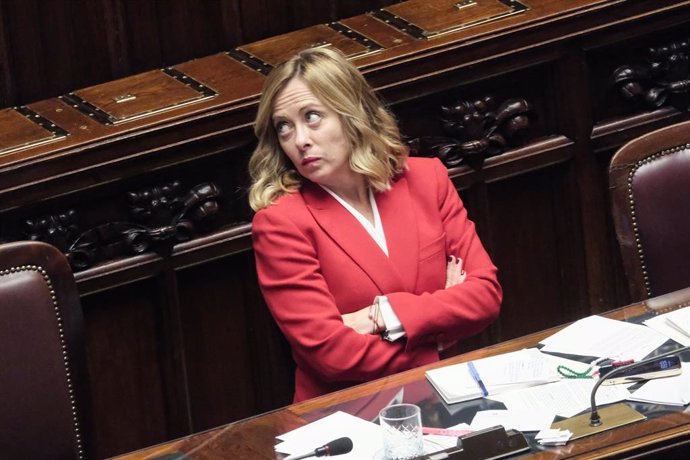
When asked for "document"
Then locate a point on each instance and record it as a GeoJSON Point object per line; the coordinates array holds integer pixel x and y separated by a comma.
{"type": "Point", "coordinates": [673, 390]}
{"type": "Point", "coordinates": [553, 437]}
{"type": "Point", "coordinates": [604, 338]}
{"type": "Point", "coordinates": [513, 419]}
{"type": "Point", "coordinates": [495, 374]}
{"type": "Point", "coordinates": [366, 436]}
{"type": "Point", "coordinates": [566, 398]}
{"type": "Point", "coordinates": [675, 325]}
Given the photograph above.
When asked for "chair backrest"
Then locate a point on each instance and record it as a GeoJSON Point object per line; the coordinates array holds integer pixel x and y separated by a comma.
{"type": "Point", "coordinates": [649, 179]}
{"type": "Point", "coordinates": [42, 360]}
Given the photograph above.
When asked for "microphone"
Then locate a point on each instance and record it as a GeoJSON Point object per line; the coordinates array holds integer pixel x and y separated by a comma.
{"type": "Point", "coordinates": [336, 447]}
{"type": "Point", "coordinates": [594, 419]}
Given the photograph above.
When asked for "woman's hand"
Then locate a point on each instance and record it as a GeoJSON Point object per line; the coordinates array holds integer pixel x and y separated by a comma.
{"type": "Point", "coordinates": [363, 322]}
{"type": "Point", "coordinates": [454, 272]}
{"type": "Point", "coordinates": [454, 275]}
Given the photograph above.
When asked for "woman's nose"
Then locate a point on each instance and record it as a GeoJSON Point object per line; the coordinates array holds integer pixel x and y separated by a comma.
{"type": "Point", "coordinates": [302, 138]}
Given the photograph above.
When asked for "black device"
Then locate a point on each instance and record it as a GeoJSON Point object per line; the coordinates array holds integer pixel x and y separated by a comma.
{"type": "Point", "coordinates": [494, 443]}
{"type": "Point", "coordinates": [594, 419]}
{"type": "Point", "coordinates": [336, 447]}
{"type": "Point", "coordinates": [655, 368]}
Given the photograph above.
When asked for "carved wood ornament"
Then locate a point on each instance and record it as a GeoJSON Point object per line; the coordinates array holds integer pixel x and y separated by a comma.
{"type": "Point", "coordinates": [161, 216]}
{"type": "Point", "coordinates": [477, 130]}
{"type": "Point", "coordinates": [57, 229]}
{"type": "Point", "coordinates": [663, 79]}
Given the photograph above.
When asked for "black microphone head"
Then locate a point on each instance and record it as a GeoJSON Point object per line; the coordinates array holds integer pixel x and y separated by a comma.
{"type": "Point", "coordinates": [339, 446]}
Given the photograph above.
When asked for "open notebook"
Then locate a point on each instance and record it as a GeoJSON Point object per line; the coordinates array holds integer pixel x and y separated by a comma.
{"type": "Point", "coordinates": [518, 369]}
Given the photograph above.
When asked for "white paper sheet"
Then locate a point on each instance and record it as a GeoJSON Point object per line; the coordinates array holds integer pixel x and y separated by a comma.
{"type": "Point", "coordinates": [566, 398]}
{"type": "Point", "coordinates": [668, 390]}
{"type": "Point", "coordinates": [605, 338]}
{"type": "Point", "coordinates": [523, 366]}
{"type": "Point", "coordinates": [499, 373]}
{"type": "Point", "coordinates": [675, 325]}
{"type": "Point", "coordinates": [511, 419]}
{"type": "Point", "coordinates": [366, 436]}
{"type": "Point", "coordinates": [553, 437]}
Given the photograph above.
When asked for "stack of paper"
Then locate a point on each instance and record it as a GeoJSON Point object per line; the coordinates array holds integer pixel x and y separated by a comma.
{"type": "Point", "coordinates": [366, 436]}
{"type": "Point", "coordinates": [498, 374]}
{"type": "Point", "coordinates": [566, 398]}
{"type": "Point", "coordinates": [604, 338]}
{"type": "Point", "coordinates": [675, 325]}
{"type": "Point", "coordinates": [674, 390]}
{"type": "Point", "coordinates": [553, 437]}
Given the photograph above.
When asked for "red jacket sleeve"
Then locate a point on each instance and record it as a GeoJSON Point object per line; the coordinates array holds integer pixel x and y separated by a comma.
{"type": "Point", "coordinates": [466, 308]}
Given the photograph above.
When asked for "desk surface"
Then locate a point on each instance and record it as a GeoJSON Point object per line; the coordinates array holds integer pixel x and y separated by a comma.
{"type": "Point", "coordinates": [666, 428]}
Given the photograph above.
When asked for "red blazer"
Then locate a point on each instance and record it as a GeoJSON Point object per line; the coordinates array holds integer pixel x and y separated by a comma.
{"type": "Point", "coordinates": [315, 262]}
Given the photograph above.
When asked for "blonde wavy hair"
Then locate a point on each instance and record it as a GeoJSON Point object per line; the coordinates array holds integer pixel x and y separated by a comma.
{"type": "Point", "coordinates": [377, 153]}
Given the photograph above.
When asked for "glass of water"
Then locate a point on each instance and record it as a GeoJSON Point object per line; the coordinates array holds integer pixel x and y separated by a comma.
{"type": "Point", "coordinates": [401, 425]}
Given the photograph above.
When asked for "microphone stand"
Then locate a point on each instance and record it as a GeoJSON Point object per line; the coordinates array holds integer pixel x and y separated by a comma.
{"type": "Point", "coordinates": [595, 419]}
{"type": "Point", "coordinates": [616, 415]}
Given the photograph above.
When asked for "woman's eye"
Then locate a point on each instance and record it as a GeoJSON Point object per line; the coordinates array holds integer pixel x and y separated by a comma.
{"type": "Point", "coordinates": [312, 117]}
{"type": "Point", "coordinates": [281, 128]}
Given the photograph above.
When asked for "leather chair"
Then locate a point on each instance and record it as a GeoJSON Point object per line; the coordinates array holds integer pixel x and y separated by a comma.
{"type": "Point", "coordinates": [649, 180]}
{"type": "Point", "coordinates": [42, 358]}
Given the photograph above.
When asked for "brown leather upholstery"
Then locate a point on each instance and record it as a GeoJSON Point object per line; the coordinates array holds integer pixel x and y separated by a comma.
{"type": "Point", "coordinates": [42, 365]}
{"type": "Point", "coordinates": [650, 190]}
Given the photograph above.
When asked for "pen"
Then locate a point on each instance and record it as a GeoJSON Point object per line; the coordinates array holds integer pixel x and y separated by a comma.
{"type": "Point", "coordinates": [445, 431]}
{"type": "Point", "coordinates": [475, 376]}
{"type": "Point", "coordinates": [622, 363]}
{"type": "Point", "coordinates": [605, 369]}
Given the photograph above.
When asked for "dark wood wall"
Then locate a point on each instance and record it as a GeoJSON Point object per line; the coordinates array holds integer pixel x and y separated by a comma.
{"type": "Point", "coordinates": [181, 341]}
{"type": "Point", "coordinates": [51, 47]}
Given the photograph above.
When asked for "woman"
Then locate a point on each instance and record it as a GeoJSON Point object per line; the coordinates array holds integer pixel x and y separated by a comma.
{"type": "Point", "coordinates": [352, 238]}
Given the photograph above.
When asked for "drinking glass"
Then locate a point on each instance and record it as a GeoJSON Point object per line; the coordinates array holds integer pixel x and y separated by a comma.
{"type": "Point", "coordinates": [401, 425]}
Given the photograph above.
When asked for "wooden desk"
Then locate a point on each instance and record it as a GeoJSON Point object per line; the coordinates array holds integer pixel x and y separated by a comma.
{"type": "Point", "coordinates": [665, 433]}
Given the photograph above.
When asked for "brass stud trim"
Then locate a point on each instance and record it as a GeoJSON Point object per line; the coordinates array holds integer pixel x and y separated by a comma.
{"type": "Point", "coordinates": [633, 214]}
{"type": "Point", "coordinates": [63, 343]}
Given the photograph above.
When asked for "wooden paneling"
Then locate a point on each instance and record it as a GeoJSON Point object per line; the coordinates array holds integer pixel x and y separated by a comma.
{"type": "Point", "coordinates": [526, 239]}
{"type": "Point", "coordinates": [126, 362]}
{"type": "Point", "coordinates": [55, 46]}
{"type": "Point", "coordinates": [209, 329]}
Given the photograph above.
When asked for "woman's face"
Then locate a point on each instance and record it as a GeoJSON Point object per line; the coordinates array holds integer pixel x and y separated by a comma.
{"type": "Point", "coordinates": [312, 136]}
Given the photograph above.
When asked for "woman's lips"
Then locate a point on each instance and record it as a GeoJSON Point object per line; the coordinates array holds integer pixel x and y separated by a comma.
{"type": "Point", "coordinates": [309, 160]}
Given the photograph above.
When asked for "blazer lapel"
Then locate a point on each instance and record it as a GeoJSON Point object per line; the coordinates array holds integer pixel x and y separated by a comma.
{"type": "Point", "coordinates": [353, 239]}
{"type": "Point", "coordinates": [400, 226]}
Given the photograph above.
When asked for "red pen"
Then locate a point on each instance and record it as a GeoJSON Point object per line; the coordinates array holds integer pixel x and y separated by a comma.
{"type": "Point", "coordinates": [609, 367]}
{"type": "Point", "coordinates": [622, 363]}
{"type": "Point", "coordinates": [445, 431]}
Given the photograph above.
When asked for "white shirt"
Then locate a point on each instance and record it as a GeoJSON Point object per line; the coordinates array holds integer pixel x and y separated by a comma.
{"type": "Point", "coordinates": [394, 328]}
